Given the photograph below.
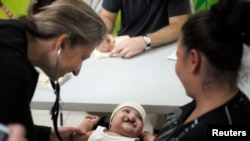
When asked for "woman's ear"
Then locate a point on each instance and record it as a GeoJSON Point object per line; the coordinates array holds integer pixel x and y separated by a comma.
{"type": "Point", "coordinates": [61, 41]}
{"type": "Point", "coordinates": [195, 60]}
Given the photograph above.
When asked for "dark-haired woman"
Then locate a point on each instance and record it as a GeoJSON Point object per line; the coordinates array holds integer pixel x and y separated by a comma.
{"type": "Point", "coordinates": [209, 52]}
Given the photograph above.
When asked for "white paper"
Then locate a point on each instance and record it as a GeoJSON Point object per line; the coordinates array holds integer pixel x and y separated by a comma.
{"type": "Point", "coordinates": [98, 54]}
{"type": "Point", "coordinates": [44, 81]}
{"type": "Point", "coordinates": [172, 56]}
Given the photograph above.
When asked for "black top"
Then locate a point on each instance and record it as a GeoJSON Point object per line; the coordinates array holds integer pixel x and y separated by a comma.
{"type": "Point", "coordinates": [234, 112]}
{"type": "Point", "coordinates": [18, 80]}
{"type": "Point", "coordinates": [139, 17]}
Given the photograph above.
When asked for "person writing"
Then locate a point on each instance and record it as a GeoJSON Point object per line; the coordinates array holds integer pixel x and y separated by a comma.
{"type": "Point", "coordinates": [56, 39]}
{"type": "Point", "coordinates": [148, 23]}
{"type": "Point", "coordinates": [126, 124]}
{"type": "Point", "coordinates": [209, 59]}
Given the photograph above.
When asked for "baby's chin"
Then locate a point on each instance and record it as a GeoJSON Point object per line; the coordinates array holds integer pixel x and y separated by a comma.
{"type": "Point", "coordinates": [128, 132]}
{"type": "Point", "coordinates": [128, 127]}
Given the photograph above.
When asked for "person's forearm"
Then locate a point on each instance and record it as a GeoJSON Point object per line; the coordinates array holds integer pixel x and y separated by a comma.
{"type": "Point", "coordinates": [164, 36]}
{"type": "Point", "coordinates": [108, 18]}
{"type": "Point", "coordinates": [82, 137]}
{"type": "Point", "coordinates": [167, 34]}
{"type": "Point", "coordinates": [86, 126]}
{"type": "Point", "coordinates": [78, 137]}
{"type": "Point", "coordinates": [109, 24]}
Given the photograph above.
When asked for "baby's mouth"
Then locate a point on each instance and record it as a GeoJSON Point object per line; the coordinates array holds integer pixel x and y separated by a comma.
{"type": "Point", "coordinates": [131, 123]}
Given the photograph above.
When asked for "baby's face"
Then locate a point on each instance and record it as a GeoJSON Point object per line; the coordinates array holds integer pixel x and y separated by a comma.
{"type": "Point", "coordinates": [127, 122]}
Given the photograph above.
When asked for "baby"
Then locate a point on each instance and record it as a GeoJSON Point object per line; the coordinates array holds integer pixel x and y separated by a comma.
{"type": "Point", "coordinates": [126, 124]}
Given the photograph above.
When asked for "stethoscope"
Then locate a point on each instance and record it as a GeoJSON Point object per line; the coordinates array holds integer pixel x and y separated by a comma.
{"type": "Point", "coordinates": [57, 106]}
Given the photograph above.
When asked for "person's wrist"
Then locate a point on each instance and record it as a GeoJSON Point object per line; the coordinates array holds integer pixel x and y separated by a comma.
{"type": "Point", "coordinates": [147, 41]}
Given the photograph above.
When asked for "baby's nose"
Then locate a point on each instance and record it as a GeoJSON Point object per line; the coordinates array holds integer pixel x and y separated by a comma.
{"type": "Point", "coordinates": [131, 117]}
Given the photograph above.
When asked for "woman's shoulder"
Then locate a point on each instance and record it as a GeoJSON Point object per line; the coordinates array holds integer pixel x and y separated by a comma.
{"type": "Point", "coordinates": [12, 30]}
{"type": "Point", "coordinates": [12, 23]}
{"type": "Point", "coordinates": [235, 111]}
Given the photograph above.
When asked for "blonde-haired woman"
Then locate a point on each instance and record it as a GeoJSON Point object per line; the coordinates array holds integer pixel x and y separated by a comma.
{"type": "Point", "coordinates": [57, 38]}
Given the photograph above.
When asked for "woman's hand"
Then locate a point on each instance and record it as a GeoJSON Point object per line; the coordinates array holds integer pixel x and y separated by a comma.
{"type": "Point", "coordinates": [16, 133]}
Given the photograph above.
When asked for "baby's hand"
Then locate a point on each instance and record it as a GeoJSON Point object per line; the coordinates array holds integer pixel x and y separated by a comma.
{"type": "Point", "coordinates": [147, 136]}
{"type": "Point", "coordinates": [93, 119]}
{"type": "Point", "coordinates": [89, 122]}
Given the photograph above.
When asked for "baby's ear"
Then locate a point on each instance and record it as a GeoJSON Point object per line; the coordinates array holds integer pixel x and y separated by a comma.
{"type": "Point", "coordinates": [101, 122]}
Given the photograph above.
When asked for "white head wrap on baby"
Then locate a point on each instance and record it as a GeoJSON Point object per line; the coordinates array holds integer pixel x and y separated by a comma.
{"type": "Point", "coordinates": [133, 105]}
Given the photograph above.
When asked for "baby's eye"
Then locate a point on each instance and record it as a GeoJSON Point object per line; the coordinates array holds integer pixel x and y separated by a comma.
{"type": "Point", "coordinates": [126, 110]}
{"type": "Point", "coordinates": [139, 117]}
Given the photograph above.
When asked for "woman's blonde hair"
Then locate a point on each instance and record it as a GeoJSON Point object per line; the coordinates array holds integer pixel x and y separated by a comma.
{"type": "Point", "coordinates": [72, 17]}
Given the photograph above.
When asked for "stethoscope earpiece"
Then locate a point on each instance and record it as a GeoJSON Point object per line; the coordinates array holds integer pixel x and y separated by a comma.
{"type": "Point", "coordinates": [59, 52]}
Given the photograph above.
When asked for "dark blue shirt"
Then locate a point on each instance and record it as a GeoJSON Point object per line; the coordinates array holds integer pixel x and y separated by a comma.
{"type": "Point", "coordinates": [234, 112]}
{"type": "Point", "coordinates": [139, 17]}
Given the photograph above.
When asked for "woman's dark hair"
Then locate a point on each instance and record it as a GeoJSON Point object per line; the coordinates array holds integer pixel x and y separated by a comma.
{"type": "Point", "coordinates": [37, 4]}
{"type": "Point", "coordinates": [219, 34]}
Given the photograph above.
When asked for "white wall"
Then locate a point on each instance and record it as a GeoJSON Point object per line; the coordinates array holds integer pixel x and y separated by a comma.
{"type": "Point", "coordinates": [95, 4]}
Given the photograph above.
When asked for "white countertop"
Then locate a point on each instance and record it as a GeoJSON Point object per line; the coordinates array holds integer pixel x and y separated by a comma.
{"type": "Point", "coordinates": [148, 78]}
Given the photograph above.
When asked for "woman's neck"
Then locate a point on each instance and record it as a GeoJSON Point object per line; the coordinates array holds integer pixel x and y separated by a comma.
{"type": "Point", "coordinates": [211, 99]}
